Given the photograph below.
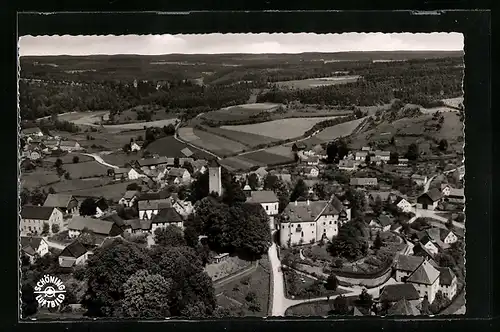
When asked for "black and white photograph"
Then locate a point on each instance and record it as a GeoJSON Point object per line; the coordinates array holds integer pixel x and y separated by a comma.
{"type": "Point", "coordinates": [241, 175]}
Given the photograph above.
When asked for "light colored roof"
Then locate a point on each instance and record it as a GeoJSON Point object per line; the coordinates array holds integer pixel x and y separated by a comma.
{"type": "Point", "coordinates": [363, 181]}
{"type": "Point", "coordinates": [424, 274]}
{"type": "Point", "coordinates": [97, 226]}
{"type": "Point", "coordinates": [418, 177]}
{"type": "Point", "coordinates": [36, 212]}
{"type": "Point", "coordinates": [187, 152]}
{"type": "Point", "coordinates": [121, 170]}
{"type": "Point", "coordinates": [58, 200]}
{"type": "Point", "coordinates": [309, 169]}
{"type": "Point", "coordinates": [346, 163]}
{"type": "Point", "coordinates": [247, 188]}
{"type": "Point", "coordinates": [382, 153]}
{"type": "Point", "coordinates": [365, 148]}
{"type": "Point", "coordinates": [129, 194]}
{"type": "Point", "coordinates": [408, 263]}
{"type": "Point", "coordinates": [261, 171]}
{"type": "Point", "coordinates": [264, 196]}
{"type": "Point", "coordinates": [361, 153]}
{"type": "Point", "coordinates": [457, 192]}
{"type": "Point", "coordinates": [67, 143]}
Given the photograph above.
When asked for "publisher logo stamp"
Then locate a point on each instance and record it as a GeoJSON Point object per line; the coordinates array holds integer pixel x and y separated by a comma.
{"type": "Point", "coordinates": [50, 291]}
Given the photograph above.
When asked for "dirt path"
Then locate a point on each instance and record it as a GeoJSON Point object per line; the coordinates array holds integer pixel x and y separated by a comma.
{"type": "Point", "coordinates": [100, 160]}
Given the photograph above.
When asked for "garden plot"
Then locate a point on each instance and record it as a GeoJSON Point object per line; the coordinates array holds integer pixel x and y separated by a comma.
{"type": "Point", "coordinates": [280, 129]}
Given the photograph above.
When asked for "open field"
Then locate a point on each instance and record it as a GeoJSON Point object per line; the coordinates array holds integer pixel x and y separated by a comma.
{"type": "Point", "coordinates": [316, 82]}
{"type": "Point", "coordinates": [86, 169]}
{"type": "Point", "coordinates": [130, 115]}
{"type": "Point", "coordinates": [112, 191]}
{"type": "Point", "coordinates": [248, 139]}
{"type": "Point", "coordinates": [454, 102]}
{"type": "Point", "coordinates": [237, 292]}
{"type": "Point", "coordinates": [216, 144]}
{"type": "Point", "coordinates": [78, 184]}
{"type": "Point", "coordinates": [263, 158]}
{"type": "Point", "coordinates": [38, 178]}
{"type": "Point", "coordinates": [170, 147]}
{"type": "Point", "coordinates": [282, 150]}
{"type": "Point", "coordinates": [239, 112]}
{"type": "Point", "coordinates": [83, 118]}
{"type": "Point", "coordinates": [187, 134]}
{"type": "Point", "coordinates": [236, 163]}
{"type": "Point", "coordinates": [120, 158]}
{"type": "Point", "coordinates": [340, 130]}
{"type": "Point", "coordinates": [108, 139]}
{"type": "Point", "coordinates": [280, 129]}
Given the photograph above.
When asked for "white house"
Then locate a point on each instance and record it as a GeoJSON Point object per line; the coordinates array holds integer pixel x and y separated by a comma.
{"type": "Point", "coordinates": [73, 254]}
{"type": "Point", "coordinates": [360, 155]}
{"type": "Point", "coordinates": [311, 171]}
{"type": "Point", "coordinates": [133, 174]}
{"type": "Point", "coordinates": [383, 222]}
{"type": "Point", "coordinates": [179, 176]}
{"type": "Point", "coordinates": [452, 195]}
{"type": "Point", "coordinates": [99, 227]}
{"type": "Point", "coordinates": [403, 162]}
{"type": "Point", "coordinates": [429, 200]}
{"type": "Point", "coordinates": [404, 205]}
{"type": "Point", "coordinates": [69, 146]}
{"type": "Point", "coordinates": [149, 208]}
{"type": "Point", "coordinates": [426, 280]}
{"type": "Point", "coordinates": [34, 217]}
{"type": "Point", "coordinates": [447, 282]}
{"type": "Point", "coordinates": [129, 198]}
{"type": "Point", "coordinates": [34, 247]}
{"type": "Point", "coordinates": [134, 147]}
{"type": "Point", "coordinates": [166, 217]}
{"type": "Point", "coordinates": [184, 208]}
{"type": "Point", "coordinates": [347, 165]}
{"type": "Point", "coordinates": [311, 221]}
{"type": "Point", "coordinates": [430, 246]}
{"type": "Point", "coordinates": [384, 156]}
{"type": "Point", "coordinates": [269, 202]}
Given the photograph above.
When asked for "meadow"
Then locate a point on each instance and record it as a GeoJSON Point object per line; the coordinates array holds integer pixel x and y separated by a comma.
{"type": "Point", "coordinates": [248, 139]}
{"type": "Point", "coordinates": [280, 129]}
{"type": "Point", "coordinates": [170, 147]}
{"type": "Point", "coordinates": [216, 144]}
{"type": "Point", "coordinates": [111, 191]}
{"type": "Point", "coordinates": [316, 82]}
{"type": "Point", "coordinates": [86, 170]}
{"type": "Point", "coordinates": [239, 112]}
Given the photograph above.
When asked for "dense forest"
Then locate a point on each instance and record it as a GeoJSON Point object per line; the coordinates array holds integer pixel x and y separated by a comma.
{"type": "Point", "coordinates": [48, 88]}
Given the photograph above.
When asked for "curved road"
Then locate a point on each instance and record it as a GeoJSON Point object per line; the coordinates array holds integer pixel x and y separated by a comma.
{"type": "Point", "coordinates": [100, 160]}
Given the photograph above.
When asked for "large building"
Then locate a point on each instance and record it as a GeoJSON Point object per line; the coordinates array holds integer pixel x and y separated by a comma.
{"type": "Point", "coordinates": [311, 221]}
{"type": "Point", "coordinates": [269, 202]}
{"type": "Point", "coordinates": [215, 177]}
{"type": "Point", "coordinates": [34, 217]}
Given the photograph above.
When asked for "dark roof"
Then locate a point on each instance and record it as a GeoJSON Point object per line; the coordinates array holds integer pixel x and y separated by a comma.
{"type": "Point", "coordinates": [384, 220]}
{"type": "Point", "coordinates": [264, 196]}
{"type": "Point", "coordinates": [446, 276]}
{"type": "Point", "coordinates": [36, 212]}
{"type": "Point", "coordinates": [176, 172]}
{"type": "Point", "coordinates": [30, 242]}
{"type": "Point", "coordinates": [98, 226]}
{"type": "Point", "coordinates": [403, 308]}
{"type": "Point", "coordinates": [434, 194]}
{"type": "Point", "coordinates": [408, 263]}
{"type": "Point", "coordinates": [114, 218]}
{"type": "Point", "coordinates": [75, 250]}
{"type": "Point", "coordinates": [394, 293]}
{"type": "Point", "coordinates": [425, 274]}
{"type": "Point", "coordinates": [156, 204]}
{"type": "Point", "coordinates": [166, 216]}
{"type": "Point", "coordinates": [310, 211]}
{"type": "Point", "coordinates": [213, 163]}
{"type": "Point", "coordinates": [58, 200]}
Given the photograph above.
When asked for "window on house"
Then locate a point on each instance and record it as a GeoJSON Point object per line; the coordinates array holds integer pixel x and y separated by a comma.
{"type": "Point", "coordinates": [324, 223]}
{"type": "Point", "coordinates": [302, 234]}
{"type": "Point", "coordinates": [267, 207]}
{"type": "Point", "coordinates": [330, 222]}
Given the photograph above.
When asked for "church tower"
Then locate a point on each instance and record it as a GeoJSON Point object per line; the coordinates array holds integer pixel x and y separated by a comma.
{"type": "Point", "coordinates": [214, 180]}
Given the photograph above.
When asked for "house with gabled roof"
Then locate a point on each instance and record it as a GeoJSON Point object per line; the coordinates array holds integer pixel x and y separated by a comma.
{"type": "Point", "coordinates": [34, 217]}
{"type": "Point", "coordinates": [419, 179]}
{"type": "Point", "coordinates": [33, 132]}
{"type": "Point", "coordinates": [268, 200]}
{"type": "Point", "coordinates": [65, 203]}
{"type": "Point", "coordinates": [129, 198]}
{"type": "Point", "coordinates": [135, 147]}
{"type": "Point", "coordinates": [149, 208]}
{"type": "Point", "coordinates": [426, 280]}
{"type": "Point", "coordinates": [151, 163]}
{"type": "Point", "coordinates": [179, 176]}
{"type": "Point", "coordinates": [97, 226]}
{"type": "Point", "coordinates": [364, 182]}
{"type": "Point", "coordinates": [311, 221]}
{"type": "Point", "coordinates": [403, 204]}
{"type": "Point", "coordinates": [425, 241]}
{"type": "Point", "coordinates": [347, 165]}
{"type": "Point", "coordinates": [199, 166]}
{"type": "Point", "coordinates": [405, 265]}
{"type": "Point", "coordinates": [360, 155]}
{"type": "Point", "coordinates": [120, 173]}
{"type": "Point", "coordinates": [74, 254]}
{"type": "Point", "coordinates": [33, 247]}
{"type": "Point", "coordinates": [429, 200]}
{"type": "Point", "coordinates": [69, 146]}
{"type": "Point", "coordinates": [403, 308]}
{"type": "Point", "coordinates": [396, 292]}
{"type": "Point", "coordinates": [447, 282]}
{"type": "Point", "coordinates": [166, 217]}
{"type": "Point", "coordinates": [383, 222]}
{"type": "Point", "coordinates": [452, 195]}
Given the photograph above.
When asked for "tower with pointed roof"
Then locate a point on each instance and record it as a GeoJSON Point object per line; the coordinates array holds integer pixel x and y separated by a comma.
{"type": "Point", "coordinates": [214, 177]}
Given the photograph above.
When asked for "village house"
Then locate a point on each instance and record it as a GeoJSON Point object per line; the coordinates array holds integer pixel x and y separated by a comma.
{"type": "Point", "coordinates": [33, 247]}
{"type": "Point", "coordinates": [311, 221]}
{"type": "Point", "coordinates": [364, 182]}
{"type": "Point", "coordinates": [199, 166]}
{"type": "Point", "coordinates": [120, 173]}
{"type": "Point", "coordinates": [74, 254]}
{"type": "Point", "coordinates": [452, 195]}
{"type": "Point", "coordinates": [447, 282]}
{"type": "Point", "coordinates": [397, 292]}
{"type": "Point", "coordinates": [420, 180]}
{"type": "Point", "coordinates": [187, 152]}
{"type": "Point", "coordinates": [184, 208]}
{"type": "Point", "coordinates": [403, 162]}
{"type": "Point", "coordinates": [101, 206]}
{"type": "Point", "coordinates": [66, 203]}
{"type": "Point", "coordinates": [136, 226]}
{"type": "Point", "coordinates": [384, 156]}
{"type": "Point", "coordinates": [425, 241]}
{"type": "Point", "coordinates": [32, 154]}
{"type": "Point", "coordinates": [403, 204]}
{"type": "Point", "coordinates": [150, 163]}
{"type": "Point", "coordinates": [166, 217]}
{"type": "Point", "coordinates": [179, 176]}
{"type": "Point", "coordinates": [69, 146]}
{"type": "Point", "coordinates": [115, 218]}
{"type": "Point", "coordinates": [133, 174]}
{"type": "Point", "coordinates": [135, 147]}
{"type": "Point", "coordinates": [34, 217]}
{"type": "Point", "coordinates": [310, 171]}
{"type": "Point", "coordinates": [150, 208]}
{"type": "Point", "coordinates": [429, 200]}
{"type": "Point", "coordinates": [299, 146]}
{"type": "Point", "coordinates": [366, 148]}
{"type": "Point", "coordinates": [261, 173]}
{"type": "Point", "coordinates": [405, 265]}
{"type": "Point", "coordinates": [347, 165]}
{"type": "Point", "coordinates": [360, 155]}
{"type": "Point", "coordinates": [269, 202]}
{"type": "Point", "coordinates": [383, 222]}
{"type": "Point", "coordinates": [403, 308]}
{"type": "Point", "coordinates": [31, 132]}
{"type": "Point", "coordinates": [384, 196]}
{"type": "Point", "coordinates": [441, 237]}
{"type": "Point", "coordinates": [129, 198]}
{"type": "Point", "coordinates": [426, 280]}
{"type": "Point", "coordinates": [311, 160]}
{"type": "Point", "coordinates": [103, 228]}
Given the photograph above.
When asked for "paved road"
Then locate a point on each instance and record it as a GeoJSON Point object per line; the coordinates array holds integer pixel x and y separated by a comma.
{"type": "Point", "coordinates": [278, 295]}
{"type": "Point", "coordinates": [100, 160]}
{"type": "Point", "coordinates": [432, 214]}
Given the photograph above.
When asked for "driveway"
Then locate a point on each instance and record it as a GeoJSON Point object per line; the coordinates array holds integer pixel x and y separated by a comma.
{"type": "Point", "coordinates": [432, 214]}
{"type": "Point", "coordinates": [279, 301]}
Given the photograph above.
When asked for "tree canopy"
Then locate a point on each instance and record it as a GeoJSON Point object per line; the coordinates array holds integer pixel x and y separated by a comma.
{"type": "Point", "coordinates": [169, 236]}
{"type": "Point", "coordinates": [88, 207]}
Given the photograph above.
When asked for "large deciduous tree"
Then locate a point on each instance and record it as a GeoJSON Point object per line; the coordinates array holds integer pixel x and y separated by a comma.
{"type": "Point", "coordinates": [169, 236]}
{"type": "Point", "coordinates": [299, 191]}
{"type": "Point", "coordinates": [88, 207]}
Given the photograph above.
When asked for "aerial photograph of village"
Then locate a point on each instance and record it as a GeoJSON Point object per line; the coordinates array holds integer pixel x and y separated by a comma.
{"type": "Point", "coordinates": [236, 175]}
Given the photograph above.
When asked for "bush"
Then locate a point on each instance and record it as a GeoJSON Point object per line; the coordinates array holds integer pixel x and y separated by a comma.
{"type": "Point", "coordinates": [251, 297]}
{"type": "Point", "coordinates": [55, 228]}
{"type": "Point", "coordinates": [79, 273]}
{"type": "Point", "coordinates": [76, 160]}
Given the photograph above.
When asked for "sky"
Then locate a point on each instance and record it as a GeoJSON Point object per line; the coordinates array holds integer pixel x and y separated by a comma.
{"type": "Point", "coordinates": [238, 43]}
